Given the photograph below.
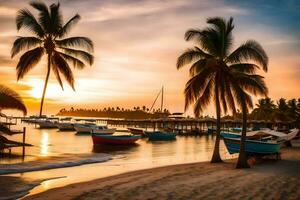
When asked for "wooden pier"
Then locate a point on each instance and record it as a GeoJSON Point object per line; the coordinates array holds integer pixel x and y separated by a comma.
{"type": "Point", "coordinates": [193, 126]}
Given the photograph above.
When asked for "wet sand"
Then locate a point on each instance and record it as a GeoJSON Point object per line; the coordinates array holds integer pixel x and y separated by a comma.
{"type": "Point", "coordinates": [269, 179]}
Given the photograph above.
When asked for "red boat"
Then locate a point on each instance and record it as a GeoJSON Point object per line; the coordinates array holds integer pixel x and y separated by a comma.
{"type": "Point", "coordinates": [114, 139]}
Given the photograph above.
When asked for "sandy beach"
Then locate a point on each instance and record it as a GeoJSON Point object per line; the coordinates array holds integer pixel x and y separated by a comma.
{"type": "Point", "coordinates": [268, 179]}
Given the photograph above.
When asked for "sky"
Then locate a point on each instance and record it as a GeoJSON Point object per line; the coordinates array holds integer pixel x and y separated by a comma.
{"type": "Point", "coordinates": [137, 43]}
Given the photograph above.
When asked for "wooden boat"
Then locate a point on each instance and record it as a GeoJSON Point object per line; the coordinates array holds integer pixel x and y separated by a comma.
{"type": "Point", "coordinates": [264, 135]}
{"type": "Point", "coordinates": [65, 126]}
{"type": "Point", "coordinates": [136, 131]}
{"type": "Point", "coordinates": [103, 130]}
{"type": "Point", "coordinates": [84, 128]}
{"type": "Point", "coordinates": [158, 135]}
{"type": "Point", "coordinates": [114, 139]}
{"type": "Point", "coordinates": [46, 124]}
{"type": "Point", "coordinates": [251, 146]}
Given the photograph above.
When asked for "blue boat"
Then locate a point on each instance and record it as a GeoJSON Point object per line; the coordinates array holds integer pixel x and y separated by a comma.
{"type": "Point", "coordinates": [251, 146]}
{"type": "Point", "coordinates": [158, 135]}
{"type": "Point", "coordinates": [229, 135]}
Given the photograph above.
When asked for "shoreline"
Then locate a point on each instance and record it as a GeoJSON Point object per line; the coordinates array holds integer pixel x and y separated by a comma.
{"type": "Point", "coordinates": [54, 162]}
{"type": "Point", "coordinates": [266, 180]}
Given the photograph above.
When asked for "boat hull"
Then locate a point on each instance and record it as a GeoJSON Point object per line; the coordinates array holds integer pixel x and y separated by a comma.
{"type": "Point", "coordinates": [47, 125]}
{"type": "Point", "coordinates": [82, 129]}
{"type": "Point", "coordinates": [109, 131]}
{"type": "Point", "coordinates": [251, 146]}
{"type": "Point", "coordinates": [65, 127]}
{"type": "Point", "coordinates": [117, 140]}
{"type": "Point", "coordinates": [160, 136]}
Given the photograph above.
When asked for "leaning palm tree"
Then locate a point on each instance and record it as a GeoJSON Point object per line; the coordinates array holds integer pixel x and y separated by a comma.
{"type": "Point", "coordinates": [49, 39]}
{"type": "Point", "coordinates": [211, 76]}
{"type": "Point", "coordinates": [9, 99]}
{"type": "Point", "coordinates": [244, 82]}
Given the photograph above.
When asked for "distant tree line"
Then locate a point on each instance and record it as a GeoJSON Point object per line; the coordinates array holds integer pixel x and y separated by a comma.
{"type": "Point", "coordinates": [136, 112]}
{"type": "Point", "coordinates": [268, 109]}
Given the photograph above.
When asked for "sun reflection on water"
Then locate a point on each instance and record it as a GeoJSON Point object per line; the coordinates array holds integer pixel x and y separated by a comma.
{"type": "Point", "coordinates": [44, 144]}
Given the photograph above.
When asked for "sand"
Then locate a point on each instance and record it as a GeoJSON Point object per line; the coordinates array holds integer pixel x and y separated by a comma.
{"type": "Point", "coordinates": [269, 179]}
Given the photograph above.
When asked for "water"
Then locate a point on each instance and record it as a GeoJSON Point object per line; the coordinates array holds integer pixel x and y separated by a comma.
{"type": "Point", "coordinates": [145, 154]}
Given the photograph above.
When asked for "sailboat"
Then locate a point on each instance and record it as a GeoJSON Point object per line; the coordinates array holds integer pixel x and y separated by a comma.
{"type": "Point", "coordinates": [160, 135]}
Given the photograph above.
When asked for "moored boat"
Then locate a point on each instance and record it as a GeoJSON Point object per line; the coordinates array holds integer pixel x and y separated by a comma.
{"type": "Point", "coordinates": [114, 139]}
{"type": "Point", "coordinates": [84, 128]}
{"type": "Point", "coordinates": [158, 135]}
{"type": "Point", "coordinates": [65, 126]}
{"type": "Point", "coordinates": [136, 131]}
{"type": "Point", "coordinates": [103, 130]}
{"type": "Point", "coordinates": [251, 146]}
{"type": "Point", "coordinates": [46, 124]}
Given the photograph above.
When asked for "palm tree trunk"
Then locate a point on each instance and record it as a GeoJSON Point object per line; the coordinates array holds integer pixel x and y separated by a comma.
{"type": "Point", "coordinates": [242, 159]}
{"type": "Point", "coordinates": [45, 86]}
{"type": "Point", "coordinates": [216, 154]}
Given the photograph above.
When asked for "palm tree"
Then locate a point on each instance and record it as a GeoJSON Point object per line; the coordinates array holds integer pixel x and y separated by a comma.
{"type": "Point", "coordinates": [9, 99]}
{"type": "Point", "coordinates": [49, 38]}
{"type": "Point", "coordinates": [243, 83]}
{"type": "Point", "coordinates": [213, 68]}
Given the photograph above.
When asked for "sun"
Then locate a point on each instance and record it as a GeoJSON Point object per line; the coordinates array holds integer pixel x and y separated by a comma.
{"type": "Point", "coordinates": [36, 91]}
{"type": "Point", "coordinates": [37, 87]}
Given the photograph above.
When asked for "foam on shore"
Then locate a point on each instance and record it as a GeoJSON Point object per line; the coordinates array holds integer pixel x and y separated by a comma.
{"type": "Point", "coordinates": [53, 163]}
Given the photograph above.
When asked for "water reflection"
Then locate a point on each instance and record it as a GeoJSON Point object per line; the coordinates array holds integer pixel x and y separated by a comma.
{"type": "Point", "coordinates": [44, 143]}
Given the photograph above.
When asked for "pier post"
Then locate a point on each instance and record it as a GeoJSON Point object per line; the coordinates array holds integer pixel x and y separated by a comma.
{"type": "Point", "coordinates": [24, 135]}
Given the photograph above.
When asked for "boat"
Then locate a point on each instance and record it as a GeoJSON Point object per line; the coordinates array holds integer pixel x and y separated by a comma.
{"type": "Point", "coordinates": [65, 126]}
{"type": "Point", "coordinates": [103, 130]}
{"type": "Point", "coordinates": [114, 139]}
{"type": "Point", "coordinates": [159, 135]}
{"type": "Point", "coordinates": [252, 146]}
{"type": "Point", "coordinates": [264, 135]}
{"type": "Point", "coordinates": [84, 128]}
{"type": "Point", "coordinates": [136, 131]}
{"type": "Point", "coordinates": [46, 124]}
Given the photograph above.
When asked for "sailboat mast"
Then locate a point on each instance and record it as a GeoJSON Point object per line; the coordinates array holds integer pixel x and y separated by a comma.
{"type": "Point", "coordinates": [162, 99]}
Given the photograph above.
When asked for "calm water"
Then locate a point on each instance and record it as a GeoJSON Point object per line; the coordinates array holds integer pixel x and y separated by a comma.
{"type": "Point", "coordinates": [145, 154]}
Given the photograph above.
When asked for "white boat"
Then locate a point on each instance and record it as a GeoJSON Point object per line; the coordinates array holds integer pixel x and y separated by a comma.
{"type": "Point", "coordinates": [103, 130]}
{"type": "Point", "coordinates": [65, 126]}
{"type": "Point", "coordinates": [43, 124]}
{"type": "Point", "coordinates": [84, 128]}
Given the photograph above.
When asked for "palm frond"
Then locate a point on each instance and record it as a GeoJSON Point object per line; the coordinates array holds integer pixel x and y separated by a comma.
{"type": "Point", "coordinates": [224, 30]}
{"type": "Point", "coordinates": [9, 99]}
{"type": "Point", "coordinates": [25, 19]}
{"type": "Point", "coordinates": [197, 67]}
{"type": "Point", "coordinates": [204, 100]}
{"type": "Point", "coordinates": [81, 42]}
{"type": "Point", "coordinates": [222, 93]}
{"type": "Point", "coordinates": [28, 60]}
{"type": "Point", "coordinates": [56, 73]}
{"type": "Point", "coordinates": [61, 64]}
{"type": "Point", "coordinates": [229, 97]}
{"type": "Point", "coordinates": [22, 43]}
{"type": "Point", "coordinates": [56, 18]}
{"type": "Point", "coordinates": [68, 26]}
{"type": "Point", "coordinates": [254, 84]}
{"type": "Point", "coordinates": [85, 56]}
{"type": "Point", "coordinates": [191, 55]}
{"type": "Point", "coordinates": [77, 63]}
{"type": "Point", "coordinates": [251, 50]}
{"type": "Point", "coordinates": [44, 15]}
{"type": "Point", "coordinates": [207, 38]}
{"type": "Point", "coordinates": [196, 85]}
{"type": "Point", "coordinates": [244, 68]}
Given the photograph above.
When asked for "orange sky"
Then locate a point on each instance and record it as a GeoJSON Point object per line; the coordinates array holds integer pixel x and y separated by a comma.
{"type": "Point", "coordinates": [136, 47]}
